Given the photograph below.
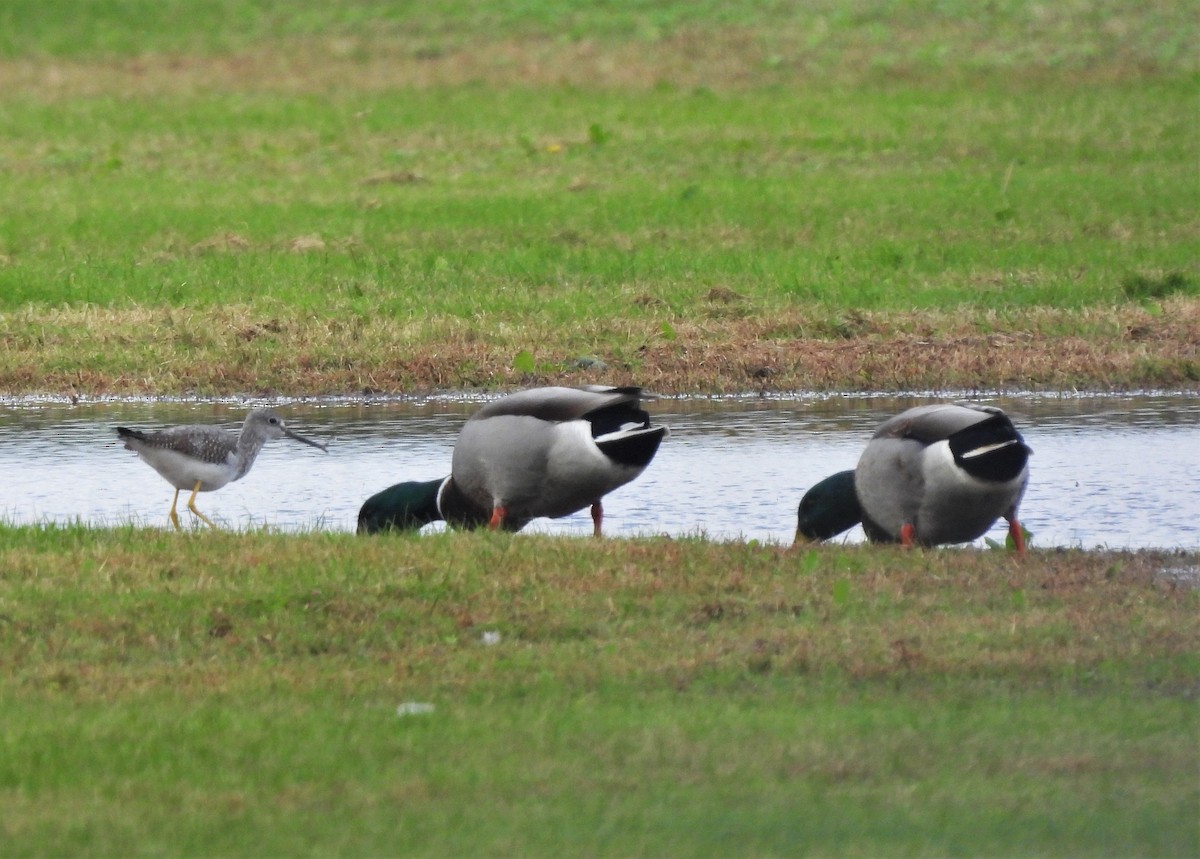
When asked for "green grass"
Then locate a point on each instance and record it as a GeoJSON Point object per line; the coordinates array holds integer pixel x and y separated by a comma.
{"type": "Point", "coordinates": [236, 694]}
{"type": "Point", "coordinates": [824, 35]}
{"type": "Point", "coordinates": [585, 172]}
{"type": "Point", "coordinates": [232, 196]}
{"type": "Point", "coordinates": [533, 199]}
{"type": "Point", "coordinates": [456, 204]}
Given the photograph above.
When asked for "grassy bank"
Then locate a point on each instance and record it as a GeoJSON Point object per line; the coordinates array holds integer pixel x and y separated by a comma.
{"type": "Point", "coordinates": [325, 198]}
{"type": "Point", "coordinates": [221, 694]}
{"type": "Point", "coordinates": [269, 349]}
{"type": "Point", "coordinates": [219, 197]}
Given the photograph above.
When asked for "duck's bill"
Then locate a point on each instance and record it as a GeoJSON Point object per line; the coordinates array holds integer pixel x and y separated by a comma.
{"type": "Point", "coordinates": [309, 441]}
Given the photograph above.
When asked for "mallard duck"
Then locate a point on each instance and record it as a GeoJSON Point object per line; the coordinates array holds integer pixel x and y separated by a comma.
{"type": "Point", "coordinates": [414, 504]}
{"type": "Point", "coordinates": [540, 452]}
{"type": "Point", "coordinates": [201, 458]}
{"type": "Point", "coordinates": [930, 475]}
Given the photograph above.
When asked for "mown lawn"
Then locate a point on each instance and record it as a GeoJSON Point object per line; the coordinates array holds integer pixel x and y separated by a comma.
{"type": "Point", "coordinates": [269, 197]}
{"type": "Point", "coordinates": [348, 196]}
{"type": "Point", "coordinates": [250, 694]}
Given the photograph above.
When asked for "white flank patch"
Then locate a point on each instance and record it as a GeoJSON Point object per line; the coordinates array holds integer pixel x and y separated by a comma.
{"type": "Point", "coordinates": [577, 442]}
{"type": "Point", "coordinates": [941, 470]}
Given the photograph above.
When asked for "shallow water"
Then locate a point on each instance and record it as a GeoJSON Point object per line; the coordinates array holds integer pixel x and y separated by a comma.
{"type": "Point", "coordinates": [1106, 471]}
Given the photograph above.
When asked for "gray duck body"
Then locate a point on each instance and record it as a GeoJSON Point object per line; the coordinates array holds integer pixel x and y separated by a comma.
{"type": "Point", "coordinates": [931, 475]}
{"type": "Point", "coordinates": [950, 471]}
{"type": "Point", "coordinates": [550, 452]}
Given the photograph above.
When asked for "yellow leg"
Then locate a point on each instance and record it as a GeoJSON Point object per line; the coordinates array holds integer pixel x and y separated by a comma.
{"type": "Point", "coordinates": [192, 506]}
{"type": "Point", "coordinates": [175, 516]}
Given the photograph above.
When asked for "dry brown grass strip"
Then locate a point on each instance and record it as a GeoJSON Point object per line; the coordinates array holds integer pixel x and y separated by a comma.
{"type": "Point", "coordinates": [688, 58]}
{"type": "Point", "coordinates": [726, 58]}
{"type": "Point", "coordinates": [251, 350]}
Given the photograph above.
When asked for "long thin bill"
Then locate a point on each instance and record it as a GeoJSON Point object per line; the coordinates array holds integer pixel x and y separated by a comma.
{"type": "Point", "coordinates": [298, 437]}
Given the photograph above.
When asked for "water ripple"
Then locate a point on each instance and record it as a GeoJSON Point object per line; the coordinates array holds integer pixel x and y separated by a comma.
{"type": "Point", "coordinates": [1106, 471]}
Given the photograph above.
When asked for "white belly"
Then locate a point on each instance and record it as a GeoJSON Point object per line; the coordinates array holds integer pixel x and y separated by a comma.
{"type": "Point", "coordinates": [182, 472]}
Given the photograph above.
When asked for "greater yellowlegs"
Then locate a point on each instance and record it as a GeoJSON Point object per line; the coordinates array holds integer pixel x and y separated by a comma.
{"type": "Point", "coordinates": [930, 475]}
{"type": "Point", "coordinates": [201, 458]}
{"type": "Point", "coordinates": [540, 452]}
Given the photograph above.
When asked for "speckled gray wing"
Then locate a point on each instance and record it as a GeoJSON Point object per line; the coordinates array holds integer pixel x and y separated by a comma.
{"type": "Point", "coordinates": [206, 443]}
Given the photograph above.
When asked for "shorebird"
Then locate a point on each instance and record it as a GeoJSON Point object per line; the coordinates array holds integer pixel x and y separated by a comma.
{"type": "Point", "coordinates": [930, 475]}
{"type": "Point", "coordinates": [201, 458]}
{"type": "Point", "coordinates": [540, 452]}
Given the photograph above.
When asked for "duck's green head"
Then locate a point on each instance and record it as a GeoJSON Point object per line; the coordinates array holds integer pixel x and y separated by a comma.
{"type": "Point", "coordinates": [403, 507]}
{"type": "Point", "coordinates": [828, 508]}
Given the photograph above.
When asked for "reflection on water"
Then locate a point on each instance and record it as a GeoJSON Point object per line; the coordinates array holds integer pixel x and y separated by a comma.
{"type": "Point", "coordinates": [1106, 471]}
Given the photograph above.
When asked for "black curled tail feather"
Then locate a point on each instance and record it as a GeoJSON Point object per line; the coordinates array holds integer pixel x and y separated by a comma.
{"type": "Point", "coordinates": [615, 417]}
{"type": "Point", "coordinates": [990, 450]}
{"type": "Point", "coordinates": [635, 448]}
